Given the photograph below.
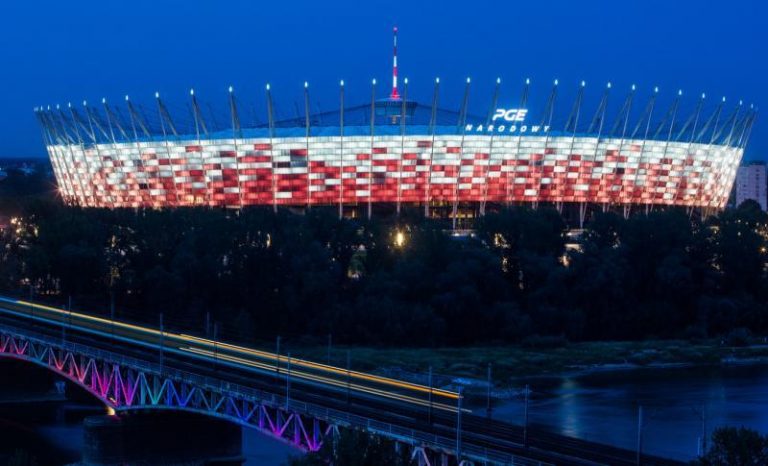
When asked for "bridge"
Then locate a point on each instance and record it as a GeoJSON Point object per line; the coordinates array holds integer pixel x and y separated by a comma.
{"type": "Point", "coordinates": [134, 367]}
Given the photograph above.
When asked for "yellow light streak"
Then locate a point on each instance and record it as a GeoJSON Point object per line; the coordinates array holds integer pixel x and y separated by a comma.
{"type": "Point", "coordinates": [252, 352]}
{"type": "Point", "coordinates": [321, 379]}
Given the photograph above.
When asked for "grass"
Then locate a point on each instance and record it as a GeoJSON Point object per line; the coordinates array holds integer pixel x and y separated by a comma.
{"type": "Point", "coordinates": [511, 362]}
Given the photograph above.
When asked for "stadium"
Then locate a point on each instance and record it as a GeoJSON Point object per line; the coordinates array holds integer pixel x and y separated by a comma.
{"type": "Point", "coordinates": [392, 152]}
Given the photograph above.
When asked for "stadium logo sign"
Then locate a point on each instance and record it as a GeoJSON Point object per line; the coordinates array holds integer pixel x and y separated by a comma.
{"type": "Point", "coordinates": [511, 114]}
{"type": "Point", "coordinates": [509, 120]}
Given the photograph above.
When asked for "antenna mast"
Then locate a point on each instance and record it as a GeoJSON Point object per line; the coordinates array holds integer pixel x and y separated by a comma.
{"type": "Point", "coordinates": [395, 95]}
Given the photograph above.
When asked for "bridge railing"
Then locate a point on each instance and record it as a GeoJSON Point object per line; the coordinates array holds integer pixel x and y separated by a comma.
{"type": "Point", "coordinates": [334, 416]}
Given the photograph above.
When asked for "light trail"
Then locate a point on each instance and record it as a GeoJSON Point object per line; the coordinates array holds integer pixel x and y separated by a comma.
{"type": "Point", "coordinates": [320, 379]}
{"type": "Point", "coordinates": [339, 377]}
{"type": "Point", "coordinates": [325, 367]}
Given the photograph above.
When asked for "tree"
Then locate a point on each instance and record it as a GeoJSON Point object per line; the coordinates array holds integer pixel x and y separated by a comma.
{"type": "Point", "coordinates": [355, 448]}
{"type": "Point", "coordinates": [733, 446]}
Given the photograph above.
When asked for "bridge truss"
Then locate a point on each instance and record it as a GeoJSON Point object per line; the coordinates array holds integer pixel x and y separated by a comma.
{"type": "Point", "coordinates": [126, 384]}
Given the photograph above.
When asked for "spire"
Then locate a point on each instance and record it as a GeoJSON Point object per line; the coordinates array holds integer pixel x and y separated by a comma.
{"type": "Point", "coordinates": [394, 94]}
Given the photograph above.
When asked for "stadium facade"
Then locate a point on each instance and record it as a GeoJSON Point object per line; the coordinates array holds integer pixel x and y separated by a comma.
{"type": "Point", "coordinates": [395, 151]}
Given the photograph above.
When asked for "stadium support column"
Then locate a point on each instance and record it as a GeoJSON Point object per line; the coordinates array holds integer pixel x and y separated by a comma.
{"type": "Point", "coordinates": [403, 116]}
{"type": "Point", "coordinates": [487, 168]}
{"type": "Point", "coordinates": [572, 125]}
{"type": "Point", "coordinates": [271, 123]}
{"type": "Point", "coordinates": [145, 193]}
{"type": "Point", "coordinates": [236, 135]}
{"type": "Point", "coordinates": [516, 155]}
{"type": "Point", "coordinates": [341, 149]}
{"type": "Point", "coordinates": [432, 125]}
{"type": "Point", "coordinates": [693, 122]}
{"type": "Point", "coordinates": [307, 134]}
{"type": "Point", "coordinates": [88, 129]}
{"type": "Point", "coordinates": [370, 155]}
{"type": "Point", "coordinates": [69, 142]}
{"type": "Point", "coordinates": [81, 146]}
{"type": "Point", "coordinates": [621, 121]}
{"type": "Point", "coordinates": [671, 116]}
{"type": "Point", "coordinates": [58, 164]}
{"type": "Point", "coordinates": [733, 141]}
{"type": "Point", "coordinates": [114, 146]}
{"type": "Point", "coordinates": [647, 115]}
{"type": "Point", "coordinates": [598, 121]}
{"type": "Point", "coordinates": [463, 128]}
{"type": "Point", "coordinates": [165, 119]}
{"type": "Point", "coordinates": [546, 121]}
{"type": "Point", "coordinates": [200, 123]}
{"type": "Point", "coordinates": [92, 134]}
{"type": "Point", "coordinates": [714, 118]}
{"type": "Point", "coordinates": [744, 133]}
{"type": "Point", "coordinates": [722, 167]}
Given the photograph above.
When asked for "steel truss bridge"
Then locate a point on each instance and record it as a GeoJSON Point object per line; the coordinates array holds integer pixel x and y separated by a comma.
{"type": "Point", "coordinates": [130, 367]}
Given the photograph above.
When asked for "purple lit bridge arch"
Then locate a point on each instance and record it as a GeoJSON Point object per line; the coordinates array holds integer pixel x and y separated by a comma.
{"type": "Point", "coordinates": [125, 384]}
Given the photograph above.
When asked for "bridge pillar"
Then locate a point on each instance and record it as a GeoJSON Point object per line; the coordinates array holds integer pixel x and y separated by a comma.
{"type": "Point", "coordinates": [167, 438]}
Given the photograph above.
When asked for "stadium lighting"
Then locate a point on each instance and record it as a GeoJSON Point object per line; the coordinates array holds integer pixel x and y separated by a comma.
{"type": "Point", "coordinates": [425, 132]}
{"type": "Point", "coordinates": [680, 92]}
{"type": "Point", "coordinates": [103, 100]}
{"type": "Point", "coordinates": [85, 103]}
{"type": "Point", "coordinates": [723, 99]}
{"type": "Point", "coordinates": [127, 98]}
{"type": "Point", "coordinates": [703, 95]}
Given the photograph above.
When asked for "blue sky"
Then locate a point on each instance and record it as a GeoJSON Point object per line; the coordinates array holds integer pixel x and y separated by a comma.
{"type": "Point", "coordinates": [54, 52]}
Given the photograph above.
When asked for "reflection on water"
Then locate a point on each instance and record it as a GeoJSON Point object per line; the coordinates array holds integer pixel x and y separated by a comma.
{"type": "Point", "coordinates": [603, 407]}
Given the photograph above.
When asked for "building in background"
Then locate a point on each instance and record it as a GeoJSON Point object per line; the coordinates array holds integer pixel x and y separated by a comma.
{"type": "Point", "coordinates": [752, 183]}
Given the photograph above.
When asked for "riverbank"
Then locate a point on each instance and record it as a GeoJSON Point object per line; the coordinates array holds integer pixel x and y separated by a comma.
{"type": "Point", "coordinates": [510, 363]}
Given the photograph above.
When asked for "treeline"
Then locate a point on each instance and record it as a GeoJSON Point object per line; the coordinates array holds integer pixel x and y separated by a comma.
{"type": "Point", "coordinates": [403, 281]}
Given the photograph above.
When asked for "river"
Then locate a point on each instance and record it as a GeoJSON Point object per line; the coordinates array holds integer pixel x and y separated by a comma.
{"type": "Point", "coordinates": [600, 407]}
{"type": "Point", "coordinates": [603, 407]}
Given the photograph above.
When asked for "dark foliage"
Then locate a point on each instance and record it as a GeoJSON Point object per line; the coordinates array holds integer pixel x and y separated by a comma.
{"type": "Point", "coordinates": [733, 446]}
{"type": "Point", "coordinates": [406, 282]}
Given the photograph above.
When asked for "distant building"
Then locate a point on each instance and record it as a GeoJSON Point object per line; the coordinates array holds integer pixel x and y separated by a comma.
{"type": "Point", "coordinates": [751, 183]}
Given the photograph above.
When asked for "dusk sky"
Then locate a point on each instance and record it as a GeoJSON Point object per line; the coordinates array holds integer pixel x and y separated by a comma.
{"type": "Point", "coordinates": [62, 51]}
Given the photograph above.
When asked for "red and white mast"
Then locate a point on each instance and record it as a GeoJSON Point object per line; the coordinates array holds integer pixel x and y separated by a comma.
{"type": "Point", "coordinates": [394, 95]}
